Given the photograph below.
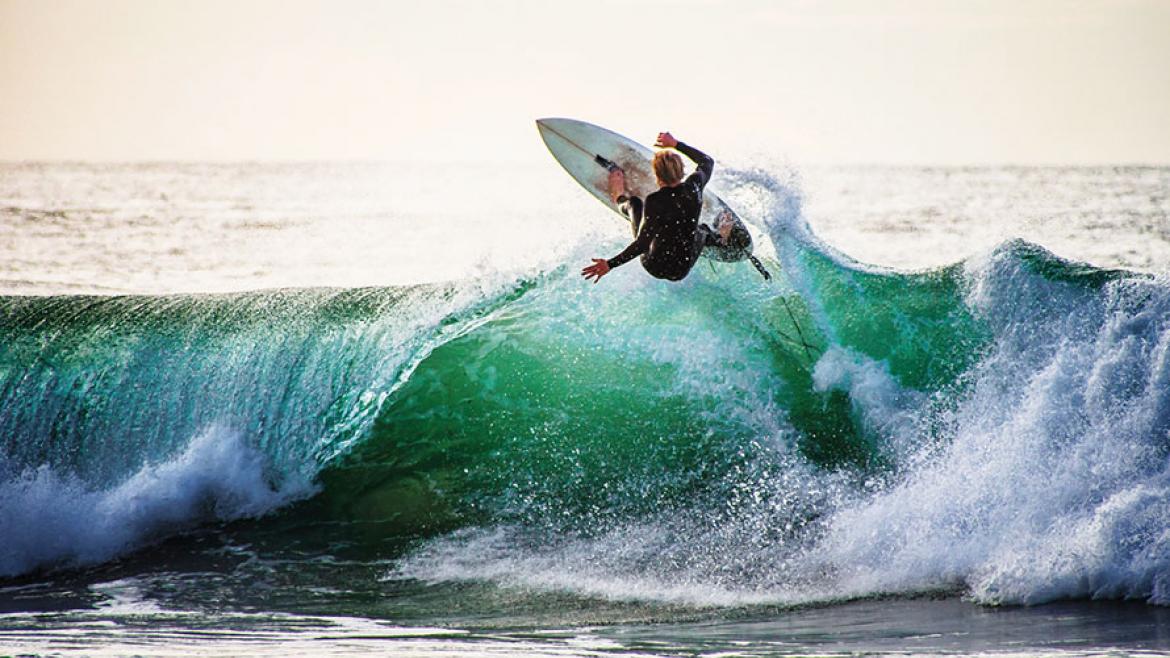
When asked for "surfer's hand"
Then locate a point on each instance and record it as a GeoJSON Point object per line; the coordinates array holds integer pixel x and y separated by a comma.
{"type": "Point", "coordinates": [666, 141]}
{"type": "Point", "coordinates": [617, 184]}
{"type": "Point", "coordinates": [598, 269]}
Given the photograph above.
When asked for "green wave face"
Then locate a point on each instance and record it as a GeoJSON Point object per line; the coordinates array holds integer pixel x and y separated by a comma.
{"type": "Point", "coordinates": [430, 408]}
{"type": "Point", "coordinates": [568, 410]}
{"type": "Point", "coordinates": [99, 386]}
{"type": "Point", "coordinates": [578, 409]}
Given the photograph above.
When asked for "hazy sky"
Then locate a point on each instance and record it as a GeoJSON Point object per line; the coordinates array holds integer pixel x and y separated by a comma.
{"type": "Point", "coordinates": [924, 81]}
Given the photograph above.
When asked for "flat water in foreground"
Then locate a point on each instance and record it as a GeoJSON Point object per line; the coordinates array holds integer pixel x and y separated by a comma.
{"type": "Point", "coordinates": [893, 626]}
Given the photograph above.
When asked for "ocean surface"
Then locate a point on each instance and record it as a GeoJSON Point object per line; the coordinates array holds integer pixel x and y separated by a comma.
{"type": "Point", "coordinates": [334, 409]}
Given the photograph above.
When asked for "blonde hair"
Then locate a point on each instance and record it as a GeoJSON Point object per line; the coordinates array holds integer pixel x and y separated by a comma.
{"type": "Point", "coordinates": [668, 167]}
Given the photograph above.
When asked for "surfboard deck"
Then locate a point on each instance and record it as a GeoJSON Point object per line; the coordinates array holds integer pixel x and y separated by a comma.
{"type": "Point", "coordinates": [575, 145]}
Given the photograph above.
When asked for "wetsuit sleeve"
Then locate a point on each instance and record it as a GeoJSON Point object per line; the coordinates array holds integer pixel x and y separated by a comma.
{"type": "Point", "coordinates": [632, 207]}
{"type": "Point", "coordinates": [706, 164]}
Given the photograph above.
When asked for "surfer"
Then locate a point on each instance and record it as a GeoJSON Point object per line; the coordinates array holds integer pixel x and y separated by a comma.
{"type": "Point", "coordinates": [667, 232]}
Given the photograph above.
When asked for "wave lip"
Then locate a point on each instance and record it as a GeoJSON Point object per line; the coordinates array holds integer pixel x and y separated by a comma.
{"type": "Point", "coordinates": [49, 520]}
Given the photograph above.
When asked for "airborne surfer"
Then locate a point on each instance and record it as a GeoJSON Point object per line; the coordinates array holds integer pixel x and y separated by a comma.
{"type": "Point", "coordinates": [667, 232]}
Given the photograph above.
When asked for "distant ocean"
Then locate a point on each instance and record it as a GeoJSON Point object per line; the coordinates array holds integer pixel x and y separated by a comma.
{"type": "Point", "coordinates": [269, 409]}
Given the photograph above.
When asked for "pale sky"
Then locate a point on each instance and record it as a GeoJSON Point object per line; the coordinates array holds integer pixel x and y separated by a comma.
{"type": "Point", "coordinates": [838, 81]}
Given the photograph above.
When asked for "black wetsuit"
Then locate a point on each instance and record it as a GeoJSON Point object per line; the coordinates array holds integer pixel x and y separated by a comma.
{"type": "Point", "coordinates": [667, 233]}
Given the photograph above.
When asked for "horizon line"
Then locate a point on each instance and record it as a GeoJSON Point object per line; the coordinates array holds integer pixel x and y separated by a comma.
{"type": "Point", "coordinates": [533, 162]}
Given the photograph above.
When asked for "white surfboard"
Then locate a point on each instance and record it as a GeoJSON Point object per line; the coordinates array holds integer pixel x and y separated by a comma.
{"type": "Point", "coordinates": [576, 145]}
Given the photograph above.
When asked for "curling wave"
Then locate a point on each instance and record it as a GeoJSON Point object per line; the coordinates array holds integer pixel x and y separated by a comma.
{"type": "Point", "coordinates": [998, 427]}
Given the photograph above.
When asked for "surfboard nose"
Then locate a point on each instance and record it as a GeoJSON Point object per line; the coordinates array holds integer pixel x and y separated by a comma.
{"type": "Point", "coordinates": [544, 130]}
{"type": "Point", "coordinates": [553, 123]}
{"type": "Point", "coordinates": [557, 131]}
{"type": "Point", "coordinates": [542, 125]}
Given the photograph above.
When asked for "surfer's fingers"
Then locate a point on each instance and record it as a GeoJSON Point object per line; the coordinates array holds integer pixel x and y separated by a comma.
{"type": "Point", "coordinates": [597, 269]}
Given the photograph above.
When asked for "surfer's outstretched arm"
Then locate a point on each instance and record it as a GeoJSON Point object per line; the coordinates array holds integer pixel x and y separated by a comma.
{"type": "Point", "coordinates": [601, 267]}
{"type": "Point", "coordinates": [639, 246]}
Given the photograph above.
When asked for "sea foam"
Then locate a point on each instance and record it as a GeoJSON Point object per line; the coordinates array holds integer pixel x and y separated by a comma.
{"type": "Point", "coordinates": [48, 519]}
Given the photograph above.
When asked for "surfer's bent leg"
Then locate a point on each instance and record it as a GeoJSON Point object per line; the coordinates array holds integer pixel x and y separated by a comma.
{"type": "Point", "coordinates": [708, 237]}
{"type": "Point", "coordinates": [632, 208]}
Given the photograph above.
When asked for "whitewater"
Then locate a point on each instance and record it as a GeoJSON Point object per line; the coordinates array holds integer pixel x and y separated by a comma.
{"type": "Point", "coordinates": [299, 399]}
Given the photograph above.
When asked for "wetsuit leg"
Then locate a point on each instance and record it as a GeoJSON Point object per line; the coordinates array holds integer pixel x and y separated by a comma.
{"type": "Point", "coordinates": [709, 237]}
{"type": "Point", "coordinates": [705, 237]}
{"type": "Point", "coordinates": [633, 209]}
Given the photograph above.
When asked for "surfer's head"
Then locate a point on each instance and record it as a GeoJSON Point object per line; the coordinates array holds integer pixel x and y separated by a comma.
{"type": "Point", "coordinates": [668, 168]}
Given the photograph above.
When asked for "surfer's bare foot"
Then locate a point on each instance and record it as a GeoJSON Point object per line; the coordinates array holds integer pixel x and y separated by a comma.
{"type": "Point", "coordinates": [724, 228]}
{"type": "Point", "coordinates": [617, 184]}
